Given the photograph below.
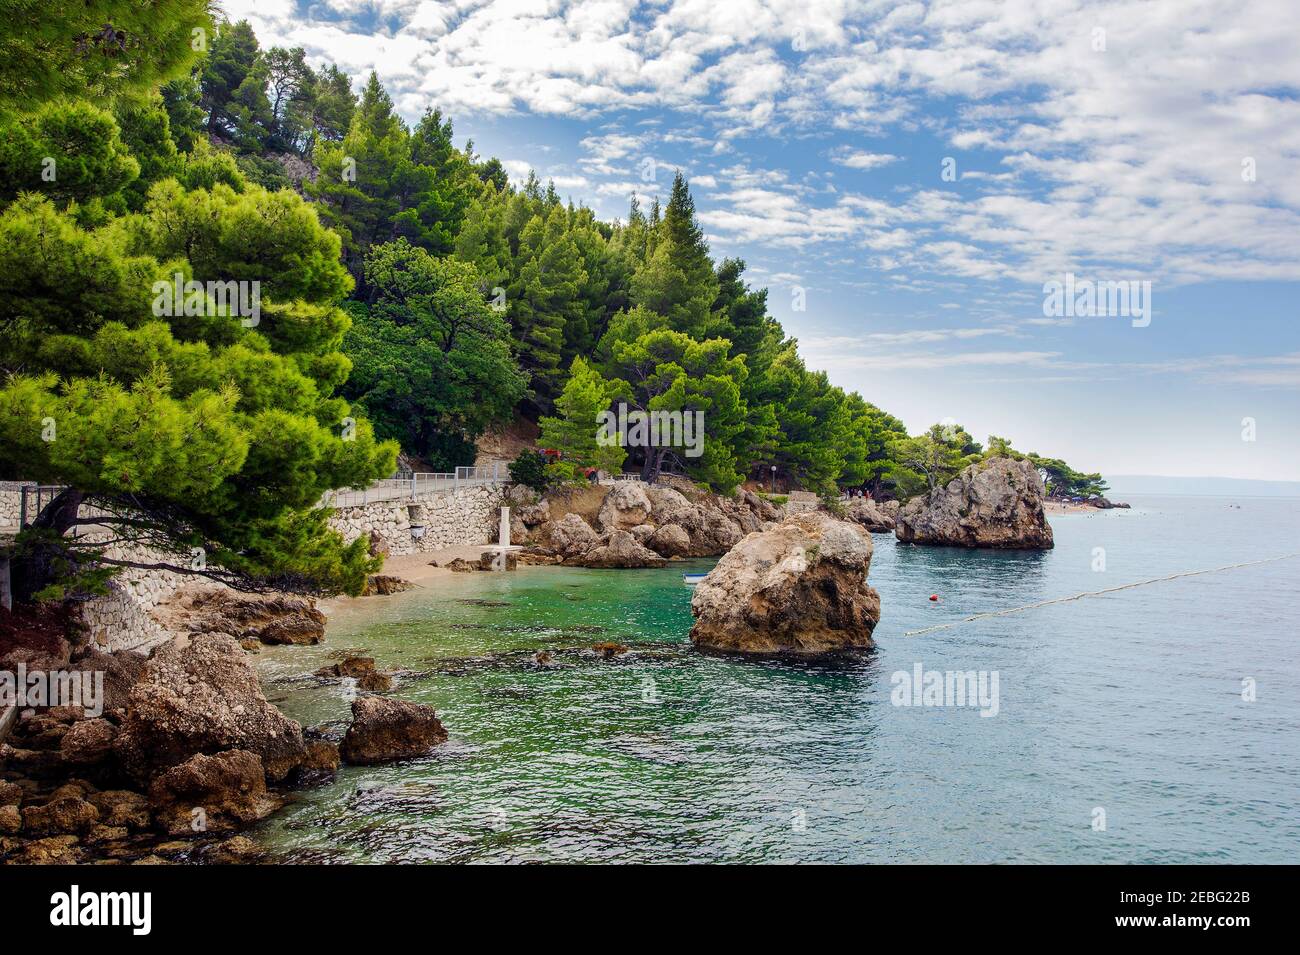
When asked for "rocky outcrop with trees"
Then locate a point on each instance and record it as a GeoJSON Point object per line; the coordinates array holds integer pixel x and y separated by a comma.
{"type": "Point", "coordinates": [997, 502]}
{"type": "Point", "coordinates": [798, 588]}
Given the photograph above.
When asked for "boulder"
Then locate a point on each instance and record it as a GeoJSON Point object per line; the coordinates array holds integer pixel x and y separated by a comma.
{"type": "Point", "coordinates": [88, 742]}
{"type": "Point", "coordinates": [625, 506]}
{"type": "Point", "coordinates": [11, 820]}
{"type": "Point", "coordinates": [383, 730]}
{"type": "Point", "coordinates": [671, 507]}
{"type": "Point", "coordinates": [274, 619]}
{"type": "Point", "coordinates": [716, 533]}
{"type": "Point", "coordinates": [322, 756]}
{"type": "Point", "coordinates": [383, 585]}
{"type": "Point", "coordinates": [531, 515]}
{"type": "Point", "coordinates": [461, 566]}
{"type": "Point", "coordinates": [121, 807]}
{"type": "Point", "coordinates": [995, 503]}
{"type": "Point", "coordinates": [122, 670]}
{"type": "Point", "coordinates": [496, 560]}
{"type": "Point", "coordinates": [201, 695]}
{"type": "Point", "coordinates": [642, 532]}
{"type": "Point", "coordinates": [622, 551]}
{"type": "Point", "coordinates": [229, 789]}
{"type": "Point", "coordinates": [60, 815]}
{"type": "Point", "coordinates": [670, 540]}
{"type": "Point", "coordinates": [870, 514]}
{"type": "Point", "coordinates": [571, 536]}
{"type": "Point", "coordinates": [361, 669]}
{"type": "Point", "coordinates": [799, 588]}
{"type": "Point", "coordinates": [55, 850]}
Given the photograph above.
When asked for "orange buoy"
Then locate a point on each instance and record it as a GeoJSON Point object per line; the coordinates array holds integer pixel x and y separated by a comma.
{"type": "Point", "coordinates": [934, 596]}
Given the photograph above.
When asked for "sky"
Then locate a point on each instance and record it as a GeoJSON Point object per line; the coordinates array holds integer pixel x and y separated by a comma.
{"type": "Point", "coordinates": [907, 179]}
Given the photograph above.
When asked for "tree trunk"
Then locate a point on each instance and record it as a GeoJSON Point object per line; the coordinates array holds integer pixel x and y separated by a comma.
{"type": "Point", "coordinates": [34, 566]}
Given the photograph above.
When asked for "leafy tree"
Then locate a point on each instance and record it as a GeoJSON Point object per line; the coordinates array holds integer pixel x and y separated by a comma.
{"type": "Point", "coordinates": [574, 429]}
{"type": "Point", "coordinates": [431, 359]}
{"type": "Point", "coordinates": [187, 431]}
{"type": "Point", "coordinates": [934, 458]}
{"type": "Point", "coordinates": [670, 371]}
{"type": "Point", "coordinates": [529, 469]}
{"type": "Point", "coordinates": [95, 49]}
{"type": "Point", "coordinates": [71, 152]}
{"type": "Point", "coordinates": [544, 299]}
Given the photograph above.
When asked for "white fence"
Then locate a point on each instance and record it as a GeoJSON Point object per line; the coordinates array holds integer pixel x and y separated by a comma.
{"type": "Point", "coordinates": [417, 484]}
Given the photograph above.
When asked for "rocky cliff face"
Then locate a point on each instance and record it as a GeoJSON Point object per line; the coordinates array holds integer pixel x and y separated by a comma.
{"type": "Point", "coordinates": [996, 503]}
{"type": "Point", "coordinates": [876, 516]}
{"type": "Point", "coordinates": [636, 525]}
{"type": "Point", "coordinates": [798, 588]}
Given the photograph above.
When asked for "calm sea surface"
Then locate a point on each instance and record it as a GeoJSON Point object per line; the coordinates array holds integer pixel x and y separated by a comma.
{"type": "Point", "coordinates": [1128, 705]}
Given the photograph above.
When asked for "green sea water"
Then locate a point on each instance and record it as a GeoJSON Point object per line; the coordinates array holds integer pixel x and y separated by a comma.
{"type": "Point", "coordinates": [1131, 703]}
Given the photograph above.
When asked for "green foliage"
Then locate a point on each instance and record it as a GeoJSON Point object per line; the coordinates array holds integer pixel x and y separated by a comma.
{"type": "Point", "coordinates": [574, 430]}
{"type": "Point", "coordinates": [431, 359]}
{"type": "Point", "coordinates": [529, 469]}
{"type": "Point", "coordinates": [95, 49]}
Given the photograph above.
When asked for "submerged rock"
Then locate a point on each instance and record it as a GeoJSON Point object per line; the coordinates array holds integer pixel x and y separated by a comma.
{"type": "Point", "coordinates": [995, 503]}
{"type": "Point", "coordinates": [798, 588]}
{"type": "Point", "coordinates": [383, 730]}
{"type": "Point", "coordinates": [201, 695]}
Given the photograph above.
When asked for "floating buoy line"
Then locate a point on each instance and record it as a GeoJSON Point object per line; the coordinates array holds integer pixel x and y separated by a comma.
{"type": "Point", "coordinates": [1095, 593]}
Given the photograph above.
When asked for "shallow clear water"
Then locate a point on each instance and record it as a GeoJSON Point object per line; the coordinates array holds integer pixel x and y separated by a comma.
{"type": "Point", "coordinates": [1130, 702]}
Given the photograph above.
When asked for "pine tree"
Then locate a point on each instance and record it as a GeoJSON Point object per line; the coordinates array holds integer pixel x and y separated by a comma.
{"type": "Point", "coordinates": [574, 429]}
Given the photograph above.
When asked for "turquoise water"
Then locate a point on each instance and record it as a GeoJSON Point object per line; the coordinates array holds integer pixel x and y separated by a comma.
{"type": "Point", "coordinates": [1130, 703]}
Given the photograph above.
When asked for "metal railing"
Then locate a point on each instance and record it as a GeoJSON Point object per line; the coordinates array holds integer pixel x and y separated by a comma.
{"type": "Point", "coordinates": [415, 484]}
{"type": "Point", "coordinates": [32, 500]}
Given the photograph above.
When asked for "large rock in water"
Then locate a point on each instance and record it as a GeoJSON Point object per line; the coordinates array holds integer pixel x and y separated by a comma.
{"type": "Point", "coordinates": [797, 588]}
{"type": "Point", "coordinates": [273, 619]}
{"type": "Point", "coordinates": [201, 695]}
{"type": "Point", "coordinates": [623, 551]}
{"type": "Point", "coordinates": [383, 730]}
{"type": "Point", "coordinates": [995, 503]}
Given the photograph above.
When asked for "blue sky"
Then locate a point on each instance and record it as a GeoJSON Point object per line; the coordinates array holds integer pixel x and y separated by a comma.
{"type": "Point", "coordinates": [1153, 141]}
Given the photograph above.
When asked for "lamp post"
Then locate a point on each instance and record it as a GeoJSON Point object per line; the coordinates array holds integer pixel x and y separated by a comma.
{"type": "Point", "coordinates": [771, 485]}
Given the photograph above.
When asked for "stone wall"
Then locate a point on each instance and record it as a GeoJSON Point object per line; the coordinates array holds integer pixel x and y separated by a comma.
{"type": "Point", "coordinates": [121, 619]}
{"type": "Point", "coordinates": [11, 502]}
{"type": "Point", "coordinates": [467, 516]}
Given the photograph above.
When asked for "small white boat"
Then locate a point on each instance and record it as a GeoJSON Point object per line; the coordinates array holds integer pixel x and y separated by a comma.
{"type": "Point", "coordinates": [690, 580]}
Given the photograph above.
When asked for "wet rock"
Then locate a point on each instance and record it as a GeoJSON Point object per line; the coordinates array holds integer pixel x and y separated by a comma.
{"type": "Point", "coordinates": [670, 540]}
{"type": "Point", "coordinates": [65, 814]}
{"type": "Point", "coordinates": [609, 650]}
{"type": "Point", "coordinates": [101, 833]}
{"type": "Point", "coordinates": [322, 756]}
{"type": "Point", "coordinates": [212, 794]}
{"type": "Point", "coordinates": [237, 850]}
{"type": "Point", "coordinates": [11, 820]}
{"type": "Point", "coordinates": [122, 807]}
{"type": "Point", "coordinates": [201, 695]}
{"type": "Point", "coordinates": [383, 730]}
{"type": "Point", "coordinates": [54, 850]}
{"type": "Point", "coordinates": [995, 503]}
{"type": "Point", "coordinates": [384, 585]}
{"type": "Point", "coordinates": [799, 588]}
{"type": "Point", "coordinates": [88, 742]}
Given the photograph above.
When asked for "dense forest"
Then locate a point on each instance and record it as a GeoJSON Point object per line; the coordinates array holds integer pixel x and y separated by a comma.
{"type": "Point", "coordinates": [411, 296]}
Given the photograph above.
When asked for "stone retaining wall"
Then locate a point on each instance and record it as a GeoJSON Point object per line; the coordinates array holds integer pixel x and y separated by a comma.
{"type": "Point", "coordinates": [467, 516]}
{"type": "Point", "coordinates": [121, 620]}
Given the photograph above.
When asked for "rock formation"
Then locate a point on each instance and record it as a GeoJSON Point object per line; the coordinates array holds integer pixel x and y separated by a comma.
{"type": "Point", "coordinates": [995, 503]}
{"type": "Point", "coordinates": [201, 695]}
{"type": "Point", "coordinates": [876, 516]}
{"type": "Point", "coordinates": [798, 588]}
{"type": "Point", "coordinates": [383, 730]}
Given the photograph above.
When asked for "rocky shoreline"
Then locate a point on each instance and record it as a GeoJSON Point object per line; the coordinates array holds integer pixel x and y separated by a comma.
{"type": "Point", "coordinates": [187, 750]}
